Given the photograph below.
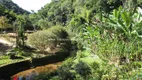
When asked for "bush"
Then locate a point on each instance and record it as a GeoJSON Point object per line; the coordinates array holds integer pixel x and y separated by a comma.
{"type": "Point", "coordinates": [42, 40]}
{"type": "Point", "coordinates": [62, 36]}
{"type": "Point", "coordinates": [48, 38]}
{"type": "Point", "coordinates": [64, 72]}
{"type": "Point", "coordinates": [83, 69]}
{"type": "Point", "coordinates": [42, 76]}
{"type": "Point", "coordinates": [59, 31]}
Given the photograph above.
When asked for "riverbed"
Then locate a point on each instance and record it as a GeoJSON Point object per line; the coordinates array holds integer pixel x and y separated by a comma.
{"type": "Point", "coordinates": [39, 69]}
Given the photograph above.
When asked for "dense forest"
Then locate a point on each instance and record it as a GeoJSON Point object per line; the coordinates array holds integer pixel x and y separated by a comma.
{"type": "Point", "coordinates": [100, 39]}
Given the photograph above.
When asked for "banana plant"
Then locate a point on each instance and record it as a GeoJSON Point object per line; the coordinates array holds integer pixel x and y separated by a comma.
{"type": "Point", "coordinates": [123, 22]}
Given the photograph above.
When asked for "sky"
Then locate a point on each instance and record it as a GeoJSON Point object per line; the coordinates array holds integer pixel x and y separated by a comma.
{"type": "Point", "coordinates": [31, 4]}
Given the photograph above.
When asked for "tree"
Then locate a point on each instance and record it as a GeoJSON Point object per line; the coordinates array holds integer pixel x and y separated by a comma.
{"type": "Point", "coordinates": [42, 40]}
{"type": "Point", "coordinates": [34, 18]}
{"type": "Point", "coordinates": [43, 23]}
{"type": "Point", "coordinates": [4, 23]}
{"type": "Point", "coordinates": [2, 10]}
{"type": "Point", "coordinates": [20, 30]}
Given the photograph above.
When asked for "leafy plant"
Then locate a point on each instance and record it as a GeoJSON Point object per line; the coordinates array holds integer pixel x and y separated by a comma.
{"type": "Point", "coordinates": [83, 69]}
{"type": "Point", "coordinates": [4, 23]}
{"type": "Point", "coordinates": [42, 40]}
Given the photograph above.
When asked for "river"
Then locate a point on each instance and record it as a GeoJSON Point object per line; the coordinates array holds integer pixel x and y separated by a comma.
{"type": "Point", "coordinates": [39, 69]}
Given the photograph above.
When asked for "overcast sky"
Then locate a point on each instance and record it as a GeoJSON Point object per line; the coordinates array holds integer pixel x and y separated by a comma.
{"type": "Point", "coordinates": [31, 4]}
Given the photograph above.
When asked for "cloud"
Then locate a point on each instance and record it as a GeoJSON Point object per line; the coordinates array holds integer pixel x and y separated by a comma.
{"type": "Point", "coordinates": [31, 4]}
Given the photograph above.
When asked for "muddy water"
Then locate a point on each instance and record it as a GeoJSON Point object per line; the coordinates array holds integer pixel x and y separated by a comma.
{"type": "Point", "coordinates": [45, 68]}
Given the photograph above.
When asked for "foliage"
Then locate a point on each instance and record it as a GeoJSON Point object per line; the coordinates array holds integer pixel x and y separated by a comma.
{"type": "Point", "coordinates": [115, 38]}
{"type": "Point", "coordinates": [42, 40]}
{"type": "Point", "coordinates": [83, 69]}
{"type": "Point", "coordinates": [124, 23]}
{"type": "Point", "coordinates": [64, 72]}
{"type": "Point", "coordinates": [62, 12]}
{"type": "Point", "coordinates": [5, 60]}
{"type": "Point", "coordinates": [2, 10]}
{"type": "Point", "coordinates": [34, 20]}
{"type": "Point", "coordinates": [10, 10]}
{"type": "Point", "coordinates": [59, 31]}
{"type": "Point", "coordinates": [18, 53]}
{"type": "Point", "coordinates": [115, 35]}
{"type": "Point", "coordinates": [4, 23]}
{"type": "Point", "coordinates": [107, 32]}
{"type": "Point", "coordinates": [48, 38]}
{"type": "Point", "coordinates": [20, 30]}
{"type": "Point", "coordinates": [10, 5]}
{"type": "Point", "coordinates": [43, 76]}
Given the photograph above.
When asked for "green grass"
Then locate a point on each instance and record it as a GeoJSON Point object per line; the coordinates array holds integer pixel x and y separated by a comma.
{"type": "Point", "coordinates": [91, 59]}
{"type": "Point", "coordinates": [5, 60]}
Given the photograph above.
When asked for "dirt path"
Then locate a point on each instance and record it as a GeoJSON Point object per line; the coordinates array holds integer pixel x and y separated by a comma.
{"type": "Point", "coordinates": [4, 45]}
{"type": "Point", "coordinates": [3, 41]}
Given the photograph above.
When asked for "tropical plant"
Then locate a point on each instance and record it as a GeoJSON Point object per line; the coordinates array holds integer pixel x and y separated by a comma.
{"type": "Point", "coordinates": [123, 23]}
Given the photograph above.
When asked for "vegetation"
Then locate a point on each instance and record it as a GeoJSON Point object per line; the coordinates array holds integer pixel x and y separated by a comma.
{"type": "Point", "coordinates": [105, 35]}
{"type": "Point", "coordinates": [112, 36]}
{"type": "Point", "coordinates": [42, 40]}
{"type": "Point", "coordinates": [4, 23]}
{"type": "Point", "coordinates": [9, 5]}
{"type": "Point", "coordinates": [47, 38]}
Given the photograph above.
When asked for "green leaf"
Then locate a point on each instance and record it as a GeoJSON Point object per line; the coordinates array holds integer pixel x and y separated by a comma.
{"type": "Point", "coordinates": [115, 13]}
{"type": "Point", "coordinates": [122, 26]}
{"type": "Point", "coordinates": [126, 18]}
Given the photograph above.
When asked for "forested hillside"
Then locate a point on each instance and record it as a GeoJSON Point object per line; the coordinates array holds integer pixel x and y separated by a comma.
{"type": "Point", "coordinates": [9, 5]}
{"type": "Point", "coordinates": [65, 12]}
{"type": "Point", "coordinates": [9, 12]}
{"type": "Point", "coordinates": [61, 12]}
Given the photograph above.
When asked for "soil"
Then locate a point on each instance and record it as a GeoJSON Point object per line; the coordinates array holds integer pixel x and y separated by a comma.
{"type": "Point", "coordinates": [5, 45]}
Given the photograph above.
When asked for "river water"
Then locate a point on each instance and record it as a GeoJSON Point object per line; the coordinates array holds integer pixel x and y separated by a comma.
{"type": "Point", "coordinates": [39, 69]}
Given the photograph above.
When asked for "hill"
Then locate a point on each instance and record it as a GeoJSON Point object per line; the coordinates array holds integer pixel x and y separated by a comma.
{"type": "Point", "coordinates": [8, 4]}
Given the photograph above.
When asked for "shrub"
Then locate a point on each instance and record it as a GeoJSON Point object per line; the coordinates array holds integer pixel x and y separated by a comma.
{"type": "Point", "coordinates": [136, 75]}
{"type": "Point", "coordinates": [62, 36]}
{"type": "Point", "coordinates": [83, 69]}
{"type": "Point", "coordinates": [59, 31]}
{"type": "Point", "coordinates": [42, 76]}
{"type": "Point", "coordinates": [65, 73]}
{"type": "Point", "coordinates": [49, 38]}
{"type": "Point", "coordinates": [68, 62]}
{"type": "Point", "coordinates": [42, 40]}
